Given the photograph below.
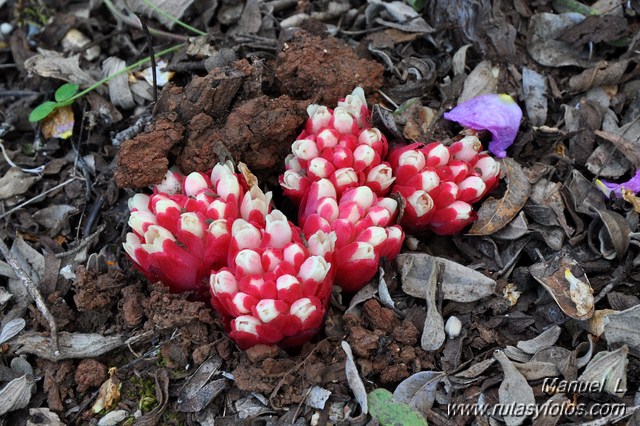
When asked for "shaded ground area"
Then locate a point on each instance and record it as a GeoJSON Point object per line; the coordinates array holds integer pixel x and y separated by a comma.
{"type": "Point", "coordinates": [132, 353]}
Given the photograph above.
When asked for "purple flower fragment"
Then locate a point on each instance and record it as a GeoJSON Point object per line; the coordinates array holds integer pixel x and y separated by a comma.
{"type": "Point", "coordinates": [632, 185]}
{"type": "Point", "coordinates": [499, 114]}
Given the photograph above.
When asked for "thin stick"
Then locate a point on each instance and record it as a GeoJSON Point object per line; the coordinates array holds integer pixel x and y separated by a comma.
{"type": "Point", "coordinates": [154, 68]}
{"type": "Point", "coordinates": [32, 288]}
{"type": "Point", "coordinates": [38, 197]}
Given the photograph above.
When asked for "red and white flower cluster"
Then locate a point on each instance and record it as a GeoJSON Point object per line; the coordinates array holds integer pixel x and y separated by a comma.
{"type": "Point", "coordinates": [271, 280]}
{"type": "Point", "coordinates": [211, 231]}
{"type": "Point", "coordinates": [339, 181]}
{"type": "Point", "coordinates": [440, 183]}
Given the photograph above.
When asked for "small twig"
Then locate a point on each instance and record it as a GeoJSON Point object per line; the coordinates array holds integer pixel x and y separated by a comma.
{"type": "Point", "coordinates": [152, 57]}
{"type": "Point", "coordinates": [618, 275]}
{"type": "Point", "coordinates": [32, 288]}
{"type": "Point", "coordinates": [85, 242]}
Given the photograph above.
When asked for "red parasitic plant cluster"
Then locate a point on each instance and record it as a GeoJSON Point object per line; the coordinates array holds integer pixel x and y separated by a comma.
{"type": "Point", "coordinates": [270, 279]}
{"type": "Point", "coordinates": [212, 231]}
{"type": "Point", "coordinates": [440, 183]}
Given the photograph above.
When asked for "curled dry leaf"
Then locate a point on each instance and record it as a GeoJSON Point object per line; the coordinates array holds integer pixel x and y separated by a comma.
{"type": "Point", "coordinates": [419, 390]}
{"type": "Point", "coordinates": [55, 218]}
{"type": "Point", "coordinates": [16, 182]}
{"type": "Point", "coordinates": [481, 81]}
{"type": "Point", "coordinates": [547, 338]}
{"type": "Point", "coordinates": [11, 329]}
{"type": "Point", "coordinates": [612, 232]}
{"type": "Point", "coordinates": [459, 283]}
{"type": "Point", "coordinates": [625, 146]}
{"type": "Point", "coordinates": [535, 370]}
{"type": "Point", "coordinates": [152, 418]}
{"type": "Point", "coordinates": [199, 391]}
{"type": "Point", "coordinates": [72, 345]}
{"type": "Point", "coordinates": [433, 335]}
{"type": "Point", "coordinates": [584, 359]}
{"type": "Point", "coordinates": [496, 214]}
{"type": "Point", "coordinates": [353, 378]}
{"type": "Point", "coordinates": [16, 394]}
{"type": "Point", "coordinates": [516, 354]}
{"type": "Point", "coordinates": [514, 389]}
{"type": "Point", "coordinates": [609, 369]}
{"type": "Point", "coordinates": [119, 91]}
{"type": "Point", "coordinates": [565, 280]}
{"type": "Point", "coordinates": [49, 63]}
{"type": "Point", "coordinates": [622, 327]}
{"type": "Point", "coordinates": [399, 16]}
{"type": "Point", "coordinates": [584, 194]}
{"type": "Point", "coordinates": [602, 74]}
{"type": "Point", "coordinates": [563, 359]}
{"type": "Point", "coordinates": [476, 369]}
{"type": "Point", "coordinates": [547, 48]}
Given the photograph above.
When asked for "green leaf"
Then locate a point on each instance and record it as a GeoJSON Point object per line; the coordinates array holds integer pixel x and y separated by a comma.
{"type": "Point", "coordinates": [66, 91]}
{"type": "Point", "coordinates": [388, 412]}
{"type": "Point", "coordinates": [42, 111]}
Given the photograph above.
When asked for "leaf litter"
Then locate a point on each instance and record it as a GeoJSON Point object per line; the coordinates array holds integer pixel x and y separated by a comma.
{"type": "Point", "coordinates": [506, 280]}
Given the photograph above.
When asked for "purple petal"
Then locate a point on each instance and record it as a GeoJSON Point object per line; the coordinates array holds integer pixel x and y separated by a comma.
{"type": "Point", "coordinates": [632, 185]}
{"type": "Point", "coordinates": [499, 114]}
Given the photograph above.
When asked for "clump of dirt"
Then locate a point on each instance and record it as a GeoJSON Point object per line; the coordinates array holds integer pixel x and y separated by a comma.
{"type": "Point", "coordinates": [143, 161]}
{"type": "Point", "coordinates": [324, 68]}
{"type": "Point", "coordinates": [227, 114]}
{"type": "Point", "coordinates": [388, 347]}
{"type": "Point", "coordinates": [258, 132]}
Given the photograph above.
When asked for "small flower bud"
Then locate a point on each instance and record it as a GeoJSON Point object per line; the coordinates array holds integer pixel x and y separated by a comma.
{"type": "Point", "coordinates": [320, 168]}
{"type": "Point", "coordinates": [327, 138]}
{"type": "Point", "coordinates": [466, 148]}
{"type": "Point", "coordinates": [305, 149]}
{"type": "Point", "coordinates": [194, 183]}
{"type": "Point", "coordinates": [453, 327]}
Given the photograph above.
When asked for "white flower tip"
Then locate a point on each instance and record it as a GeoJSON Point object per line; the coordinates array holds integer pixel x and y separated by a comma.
{"type": "Point", "coordinates": [170, 183]}
{"type": "Point", "coordinates": [247, 324]}
{"type": "Point", "coordinates": [364, 251]}
{"type": "Point", "coordinates": [194, 183]}
{"type": "Point", "coordinates": [302, 308]}
{"type": "Point", "coordinates": [139, 202]}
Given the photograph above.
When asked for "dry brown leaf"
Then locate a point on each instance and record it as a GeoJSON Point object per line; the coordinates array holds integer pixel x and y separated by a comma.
{"type": "Point", "coordinates": [514, 389]}
{"type": "Point", "coordinates": [631, 150]}
{"type": "Point", "coordinates": [49, 63]}
{"type": "Point", "coordinates": [575, 301]}
{"type": "Point", "coordinates": [496, 214]}
{"type": "Point", "coordinates": [601, 74]}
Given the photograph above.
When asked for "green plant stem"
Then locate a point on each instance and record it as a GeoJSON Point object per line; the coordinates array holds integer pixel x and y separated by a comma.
{"type": "Point", "coordinates": [174, 19]}
{"type": "Point", "coordinates": [122, 71]}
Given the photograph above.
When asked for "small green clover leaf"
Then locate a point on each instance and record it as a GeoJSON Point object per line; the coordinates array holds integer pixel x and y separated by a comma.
{"type": "Point", "coordinates": [63, 97]}
{"type": "Point", "coordinates": [42, 111]}
{"type": "Point", "coordinates": [66, 92]}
